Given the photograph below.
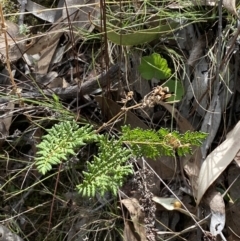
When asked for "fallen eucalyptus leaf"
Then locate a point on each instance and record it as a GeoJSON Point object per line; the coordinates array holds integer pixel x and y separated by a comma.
{"type": "Point", "coordinates": [41, 12]}
{"type": "Point", "coordinates": [217, 161]}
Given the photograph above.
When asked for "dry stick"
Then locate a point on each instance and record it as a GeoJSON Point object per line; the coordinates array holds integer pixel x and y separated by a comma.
{"type": "Point", "coordinates": [219, 40]}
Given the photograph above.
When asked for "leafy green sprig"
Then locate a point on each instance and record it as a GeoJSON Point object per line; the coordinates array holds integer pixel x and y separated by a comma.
{"type": "Point", "coordinates": [153, 144]}
{"type": "Point", "coordinates": [108, 170]}
{"type": "Point", "coordinates": [61, 141]}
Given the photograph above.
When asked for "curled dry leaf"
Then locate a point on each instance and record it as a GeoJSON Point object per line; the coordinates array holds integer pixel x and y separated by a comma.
{"type": "Point", "coordinates": [217, 161]}
{"type": "Point", "coordinates": [137, 218]}
{"type": "Point", "coordinates": [172, 204]}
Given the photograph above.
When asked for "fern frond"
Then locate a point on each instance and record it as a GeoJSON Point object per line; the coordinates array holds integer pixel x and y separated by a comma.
{"type": "Point", "coordinates": [60, 142]}
{"type": "Point", "coordinates": [108, 170]}
{"type": "Point", "coordinates": [152, 144]}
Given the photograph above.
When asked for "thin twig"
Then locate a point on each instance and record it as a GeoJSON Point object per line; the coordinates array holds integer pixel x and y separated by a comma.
{"type": "Point", "coordinates": [219, 40]}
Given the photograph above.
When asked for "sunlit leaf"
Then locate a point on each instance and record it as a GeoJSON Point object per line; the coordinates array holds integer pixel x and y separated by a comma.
{"type": "Point", "coordinates": [154, 66]}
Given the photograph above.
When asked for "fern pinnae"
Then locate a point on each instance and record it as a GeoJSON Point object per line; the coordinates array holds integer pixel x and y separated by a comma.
{"type": "Point", "coordinates": [60, 142]}
{"type": "Point", "coordinates": [107, 170]}
{"type": "Point", "coordinates": [152, 144]}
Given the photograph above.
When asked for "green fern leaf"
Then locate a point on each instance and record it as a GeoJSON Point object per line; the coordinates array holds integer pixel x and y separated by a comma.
{"type": "Point", "coordinates": [152, 144]}
{"type": "Point", "coordinates": [108, 170]}
{"type": "Point", "coordinates": [60, 142]}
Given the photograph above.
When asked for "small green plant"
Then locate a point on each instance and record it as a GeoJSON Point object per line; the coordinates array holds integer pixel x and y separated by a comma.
{"type": "Point", "coordinates": [24, 29]}
{"type": "Point", "coordinates": [108, 170]}
{"type": "Point", "coordinates": [154, 66]}
{"type": "Point", "coordinates": [152, 144]}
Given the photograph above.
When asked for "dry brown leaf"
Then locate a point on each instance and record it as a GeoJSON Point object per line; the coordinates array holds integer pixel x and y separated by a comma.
{"type": "Point", "coordinates": [46, 57]}
{"type": "Point", "coordinates": [217, 161]}
{"type": "Point", "coordinates": [234, 181]}
{"type": "Point", "coordinates": [42, 42]}
{"type": "Point", "coordinates": [47, 45]}
{"type": "Point", "coordinates": [137, 218]}
{"type": "Point", "coordinates": [129, 233]}
{"type": "Point", "coordinates": [79, 12]}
